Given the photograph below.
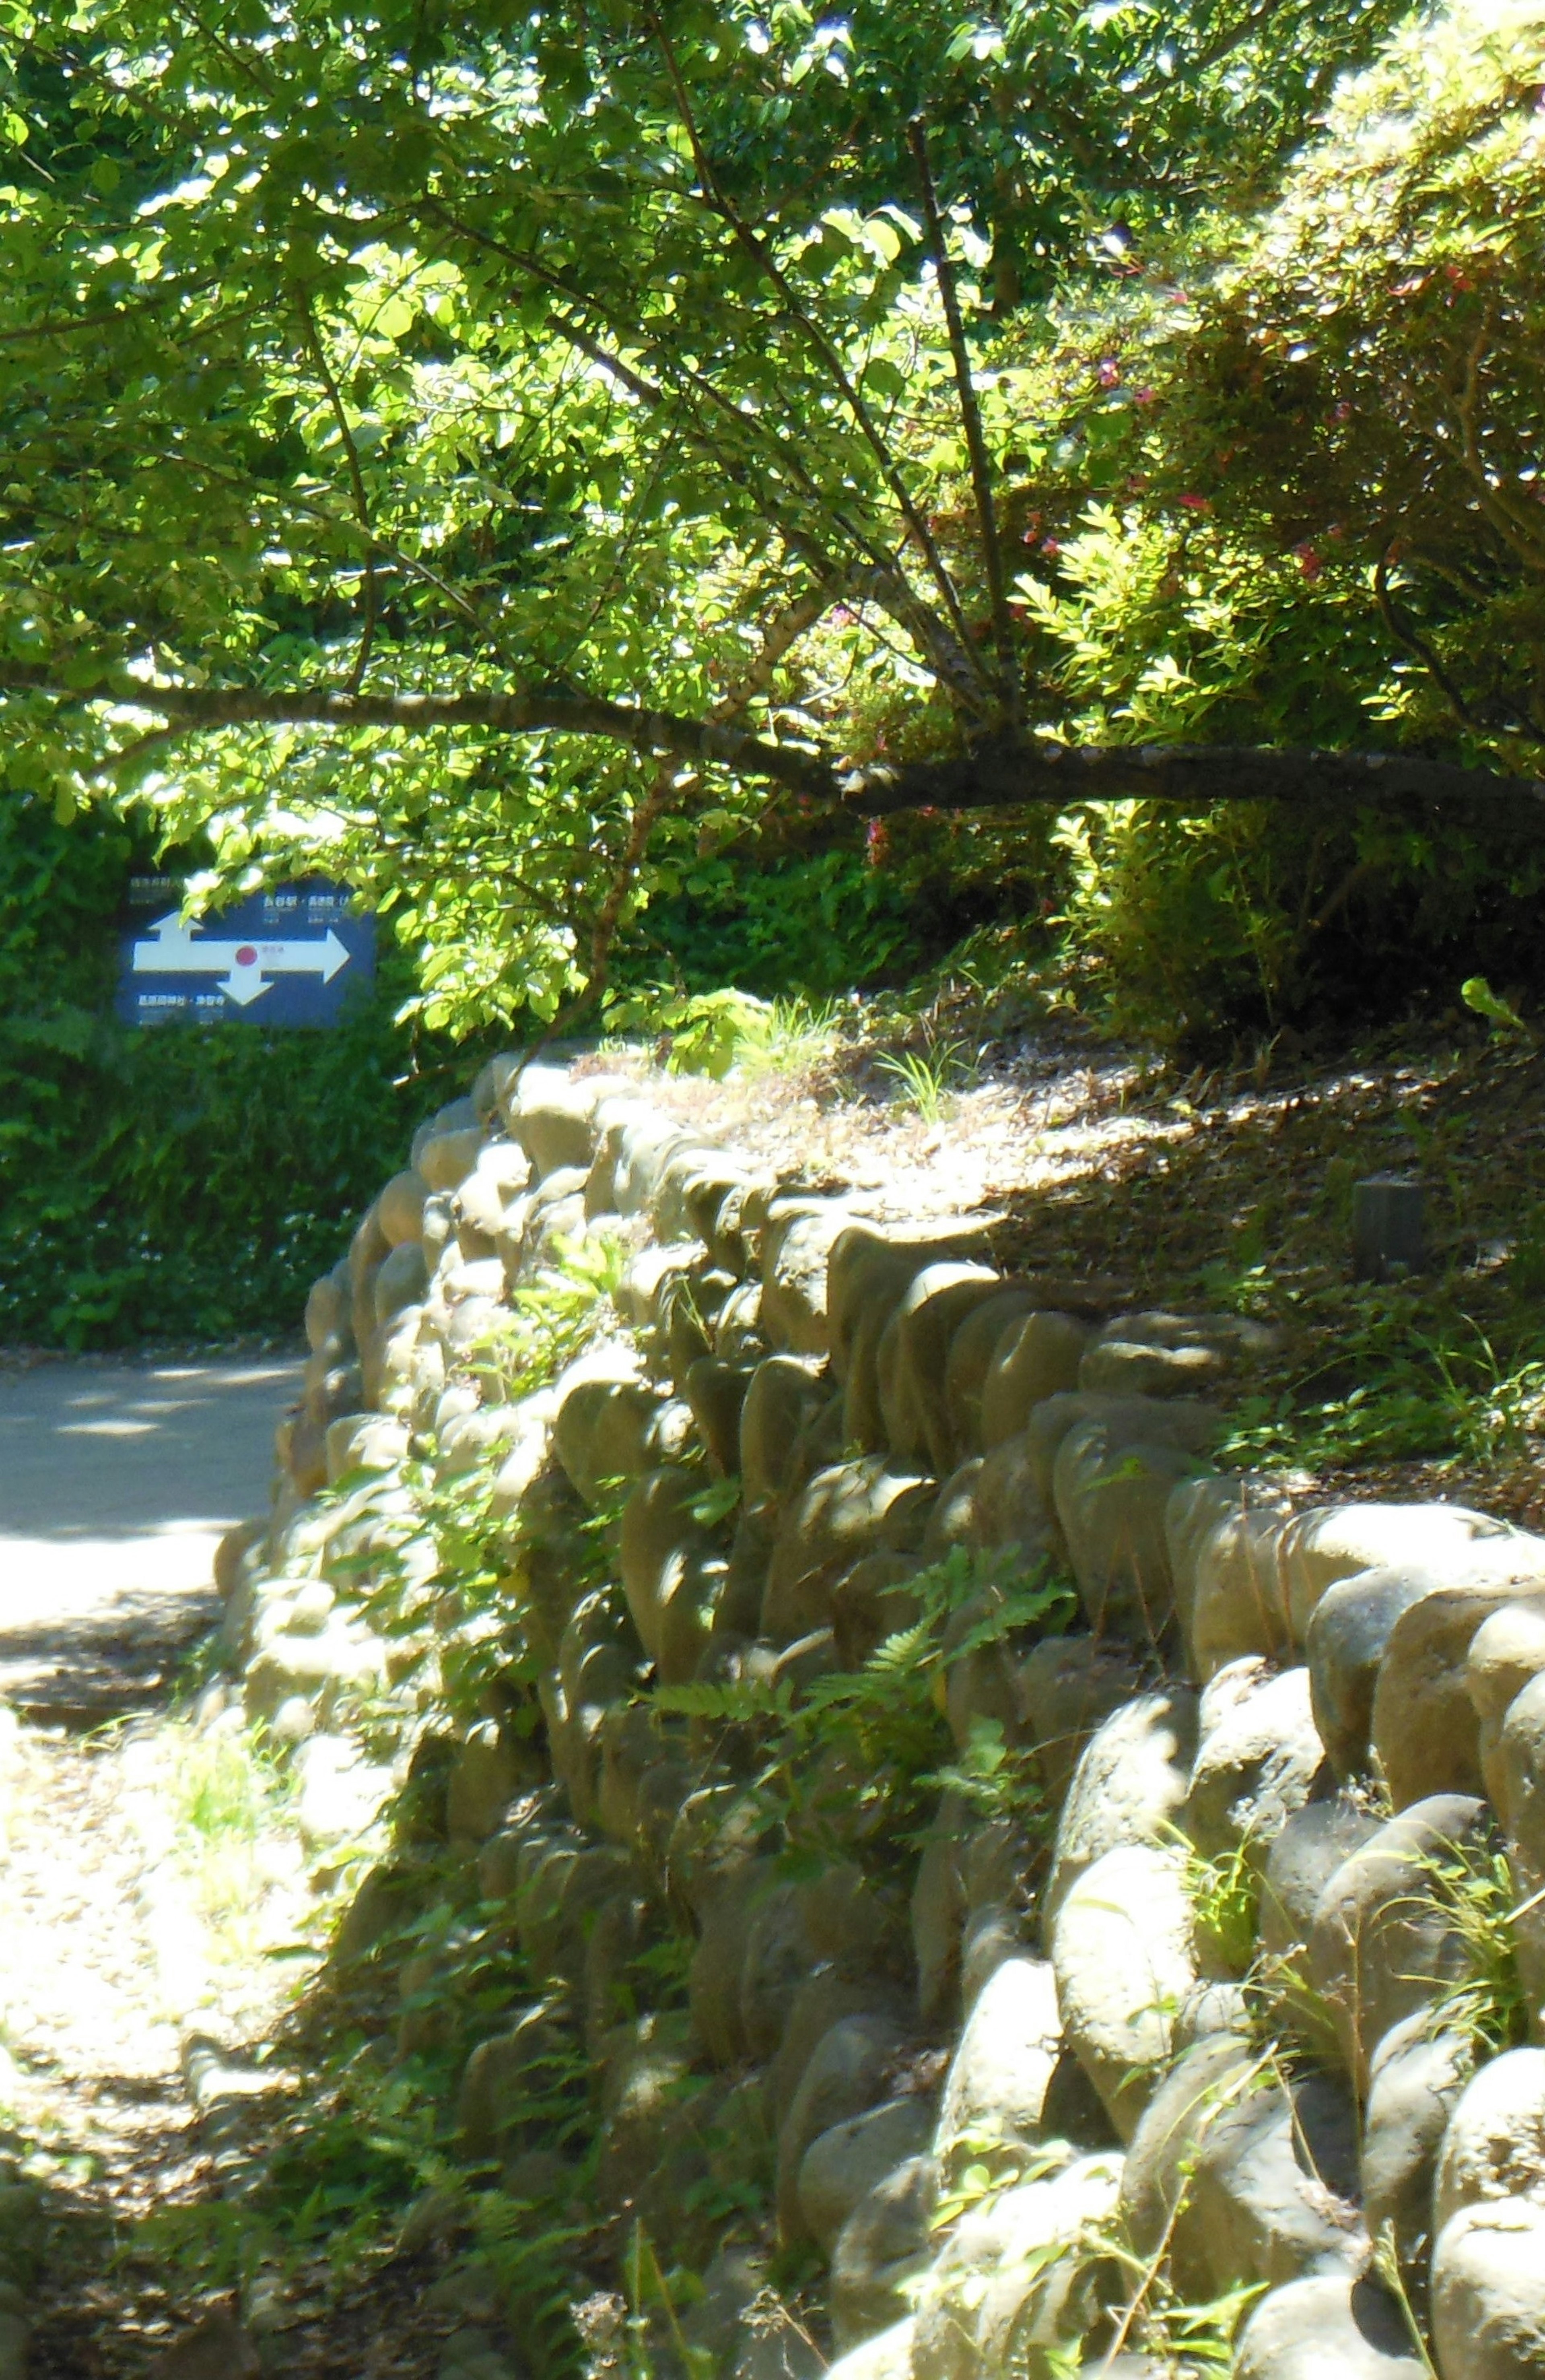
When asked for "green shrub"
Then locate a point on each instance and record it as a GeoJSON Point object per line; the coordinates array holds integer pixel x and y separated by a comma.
{"type": "Point", "coordinates": [1282, 486]}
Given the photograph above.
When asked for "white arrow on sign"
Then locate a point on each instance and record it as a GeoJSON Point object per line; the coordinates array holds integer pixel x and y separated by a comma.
{"type": "Point", "coordinates": [176, 948]}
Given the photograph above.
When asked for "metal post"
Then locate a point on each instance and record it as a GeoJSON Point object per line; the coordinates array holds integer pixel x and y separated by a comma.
{"type": "Point", "coordinates": [1388, 1235]}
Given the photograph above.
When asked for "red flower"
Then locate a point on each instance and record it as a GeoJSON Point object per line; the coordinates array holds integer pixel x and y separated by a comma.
{"type": "Point", "coordinates": [1109, 372]}
{"type": "Point", "coordinates": [1196, 504]}
{"type": "Point", "coordinates": [1145, 397]}
{"type": "Point", "coordinates": [1308, 561]}
{"type": "Point", "coordinates": [876, 837]}
{"type": "Point", "coordinates": [1051, 547]}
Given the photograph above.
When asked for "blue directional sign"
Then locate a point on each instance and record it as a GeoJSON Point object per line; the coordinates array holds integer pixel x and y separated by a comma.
{"type": "Point", "coordinates": [286, 957]}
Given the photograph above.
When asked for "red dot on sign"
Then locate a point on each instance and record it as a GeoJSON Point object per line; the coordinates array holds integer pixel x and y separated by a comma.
{"type": "Point", "coordinates": [246, 955]}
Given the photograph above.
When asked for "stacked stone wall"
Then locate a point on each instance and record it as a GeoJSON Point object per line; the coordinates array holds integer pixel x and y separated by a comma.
{"type": "Point", "coordinates": [1240, 1989]}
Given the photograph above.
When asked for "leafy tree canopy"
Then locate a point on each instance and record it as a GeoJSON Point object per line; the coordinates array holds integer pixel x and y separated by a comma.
{"type": "Point", "coordinates": [471, 449]}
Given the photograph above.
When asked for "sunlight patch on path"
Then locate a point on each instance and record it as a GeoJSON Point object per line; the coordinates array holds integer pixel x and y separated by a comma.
{"type": "Point", "coordinates": [116, 1484]}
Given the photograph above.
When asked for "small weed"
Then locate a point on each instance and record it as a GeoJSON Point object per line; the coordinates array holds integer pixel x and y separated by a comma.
{"type": "Point", "coordinates": [1478, 994]}
{"type": "Point", "coordinates": [1225, 1893]}
{"type": "Point", "coordinates": [1387, 2270]}
{"type": "Point", "coordinates": [552, 1318]}
{"type": "Point", "coordinates": [1202, 2337]}
{"type": "Point", "coordinates": [1181, 2336]}
{"type": "Point", "coordinates": [651, 2298]}
{"type": "Point", "coordinates": [534, 2267]}
{"type": "Point", "coordinates": [1002, 964]}
{"type": "Point", "coordinates": [984, 2164]}
{"type": "Point", "coordinates": [224, 1785]}
{"type": "Point", "coordinates": [1488, 2005]}
{"type": "Point", "coordinates": [453, 1544]}
{"type": "Point", "coordinates": [715, 1502]}
{"type": "Point", "coordinates": [998, 1780]}
{"type": "Point", "coordinates": [701, 1033]}
{"type": "Point", "coordinates": [363, 2137]}
{"type": "Point", "coordinates": [231, 1801]}
{"type": "Point", "coordinates": [927, 1080]}
{"type": "Point", "coordinates": [796, 1037]}
{"type": "Point", "coordinates": [883, 1724]}
{"type": "Point", "coordinates": [1396, 1392]}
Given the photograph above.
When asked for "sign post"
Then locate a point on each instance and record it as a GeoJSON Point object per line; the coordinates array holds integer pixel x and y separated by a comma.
{"type": "Point", "coordinates": [286, 957]}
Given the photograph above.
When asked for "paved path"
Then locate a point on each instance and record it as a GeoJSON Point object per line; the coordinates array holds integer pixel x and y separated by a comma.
{"type": "Point", "coordinates": [116, 1484]}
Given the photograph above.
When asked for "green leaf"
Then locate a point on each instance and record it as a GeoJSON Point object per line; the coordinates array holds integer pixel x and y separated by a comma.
{"type": "Point", "coordinates": [1478, 994]}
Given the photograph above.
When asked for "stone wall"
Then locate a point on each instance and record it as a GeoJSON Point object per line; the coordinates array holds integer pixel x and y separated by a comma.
{"type": "Point", "coordinates": [1200, 1976]}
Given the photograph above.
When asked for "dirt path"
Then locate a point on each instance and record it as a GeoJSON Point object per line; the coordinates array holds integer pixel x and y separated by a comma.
{"type": "Point", "coordinates": [93, 2084]}
{"type": "Point", "coordinates": [115, 1485]}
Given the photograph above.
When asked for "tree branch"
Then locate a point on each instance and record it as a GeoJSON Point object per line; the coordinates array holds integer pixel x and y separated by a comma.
{"type": "Point", "coordinates": [670, 784]}
{"type": "Point", "coordinates": [816, 339]}
{"type": "Point", "coordinates": [952, 660]}
{"type": "Point", "coordinates": [1226, 42]}
{"type": "Point", "coordinates": [781, 636]}
{"type": "Point", "coordinates": [971, 418]}
{"type": "Point", "coordinates": [1015, 775]}
{"type": "Point", "coordinates": [1407, 636]}
{"type": "Point", "coordinates": [708, 742]}
{"type": "Point", "coordinates": [68, 326]}
{"type": "Point", "coordinates": [312, 340]}
{"type": "Point", "coordinates": [1007, 775]}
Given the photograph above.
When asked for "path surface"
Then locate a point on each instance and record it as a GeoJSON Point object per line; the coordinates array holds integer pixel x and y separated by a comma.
{"type": "Point", "coordinates": [156, 1923]}
{"type": "Point", "coordinates": [116, 1484]}
{"type": "Point", "coordinates": [92, 2081]}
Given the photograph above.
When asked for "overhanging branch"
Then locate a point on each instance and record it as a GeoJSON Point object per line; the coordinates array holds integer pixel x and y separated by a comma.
{"type": "Point", "coordinates": [1198, 775]}
{"type": "Point", "coordinates": [709, 743]}
{"type": "Point", "coordinates": [1001, 776]}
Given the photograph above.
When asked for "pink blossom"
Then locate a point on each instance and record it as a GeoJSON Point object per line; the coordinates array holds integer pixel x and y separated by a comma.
{"type": "Point", "coordinates": [1308, 561]}
{"type": "Point", "coordinates": [1196, 504]}
{"type": "Point", "coordinates": [876, 837]}
{"type": "Point", "coordinates": [841, 616]}
{"type": "Point", "coordinates": [1051, 546]}
{"type": "Point", "coordinates": [1110, 372]}
{"type": "Point", "coordinates": [1145, 397]}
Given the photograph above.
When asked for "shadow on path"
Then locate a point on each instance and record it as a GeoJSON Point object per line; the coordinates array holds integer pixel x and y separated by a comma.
{"type": "Point", "coordinates": [116, 1484]}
